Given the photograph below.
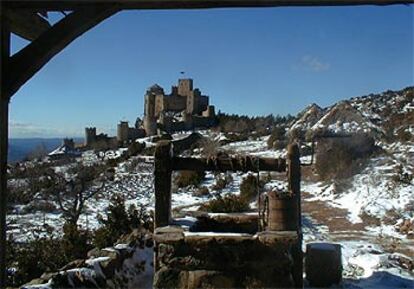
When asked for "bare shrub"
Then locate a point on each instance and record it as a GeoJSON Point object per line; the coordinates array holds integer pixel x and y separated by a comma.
{"type": "Point", "coordinates": [210, 148]}
{"type": "Point", "coordinates": [135, 148]}
{"type": "Point", "coordinates": [226, 204]}
{"type": "Point", "coordinates": [248, 187]}
{"type": "Point", "coordinates": [296, 134]}
{"type": "Point", "coordinates": [369, 220]}
{"type": "Point", "coordinates": [189, 178]}
{"type": "Point", "coordinates": [391, 217]}
{"type": "Point", "coordinates": [120, 221]}
{"type": "Point", "coordinates": [72, 194]}
{"type": "Point", "coordinates": [201, 192]}
{"type": "Point", "coordinates": [401, 176]}
{"type": "Point", "coordinates": [277, 137]}
{"type": "Point", "coordinates": [46, 253]}
{"type": "Point", "coordinates": [235, 137]}
{"type": "Point", "coordinates": [148, 151]}
{"type": "Point", "coordinates": [339, 160]}
{"type": "Point", "coordinates": [404, 135]}
{"type": "Point", "coordinates": [222, 181]}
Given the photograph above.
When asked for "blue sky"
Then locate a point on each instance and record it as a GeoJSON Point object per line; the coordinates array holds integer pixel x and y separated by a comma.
{"type": "Point", "coordinates": [249, 61]}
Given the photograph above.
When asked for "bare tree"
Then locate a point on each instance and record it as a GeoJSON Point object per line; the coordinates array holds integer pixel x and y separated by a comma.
{"type": "Point", "coordinates": [85, 183]}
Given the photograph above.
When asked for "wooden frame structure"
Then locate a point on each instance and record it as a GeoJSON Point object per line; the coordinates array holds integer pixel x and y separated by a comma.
{"type": "Point", "coordinates": [166, 163]}
{"type": "Point", "coordinates": [24, 18]}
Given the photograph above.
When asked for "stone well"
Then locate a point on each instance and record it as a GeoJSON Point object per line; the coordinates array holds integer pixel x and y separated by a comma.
{"type": "Point", "coordinates": [188, 259]}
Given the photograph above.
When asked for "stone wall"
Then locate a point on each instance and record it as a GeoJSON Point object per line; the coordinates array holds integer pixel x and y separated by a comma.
{"type": "Point", "coordinates": [225, 260]}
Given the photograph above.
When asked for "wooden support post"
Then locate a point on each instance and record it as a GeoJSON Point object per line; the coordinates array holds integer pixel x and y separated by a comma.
{"type": "Point", "coordinates": [4, 137]}
{"type": "Point", "coordinates": [162, 174]}
{"type": "Point", "coordinates": [4, 117]}
{"type": "Point", "coordinates": [294, 176]}
{"type": "Point", "coordinates": [293, 160]}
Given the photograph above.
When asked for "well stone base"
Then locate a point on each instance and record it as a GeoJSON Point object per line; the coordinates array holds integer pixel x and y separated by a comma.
{"type": "Point", "coordinates": [226, 260]}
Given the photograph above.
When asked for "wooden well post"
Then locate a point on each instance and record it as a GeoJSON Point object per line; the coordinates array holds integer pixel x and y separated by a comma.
{"type": "Point", "coordinates": [4, 137]}
{"type": "Point", "coordinates": [294, 177]}
{"type": "Point", "coordinates": [162, 174]}
{"type": "Point", "coordinates": [293, 174]}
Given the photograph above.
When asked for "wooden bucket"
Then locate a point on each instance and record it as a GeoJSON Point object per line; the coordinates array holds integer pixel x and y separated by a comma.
{"type": "Point", "coordinates": [283, 213]}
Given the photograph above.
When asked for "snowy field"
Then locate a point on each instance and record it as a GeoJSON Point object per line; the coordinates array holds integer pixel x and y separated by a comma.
{"type": "Point", "coordinates": [367, 259]}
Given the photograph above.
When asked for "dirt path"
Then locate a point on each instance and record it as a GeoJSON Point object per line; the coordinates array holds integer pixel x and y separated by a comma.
{"type": "Point", "coordinates": [339, 228]}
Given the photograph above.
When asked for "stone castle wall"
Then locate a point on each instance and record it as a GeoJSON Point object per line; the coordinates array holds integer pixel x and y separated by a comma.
{"type": "Point", "coordinates": [183, 98]}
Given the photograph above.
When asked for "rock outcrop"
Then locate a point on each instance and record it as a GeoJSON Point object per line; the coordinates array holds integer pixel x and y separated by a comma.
{"type": "Point", "coordinates": [128, 265]}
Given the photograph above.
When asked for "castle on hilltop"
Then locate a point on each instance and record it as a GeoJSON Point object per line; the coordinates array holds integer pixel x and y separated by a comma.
{"type": "Point", "coordinates": [185, 108]}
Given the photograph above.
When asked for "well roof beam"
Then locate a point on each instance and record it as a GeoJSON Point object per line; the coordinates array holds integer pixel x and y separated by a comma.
{"type": "Point", "coordinates": [191, 4]}
{"type": "Point", "coordinates": [26, 23]}
{"type": "Point", "coordinates": [25, 63]}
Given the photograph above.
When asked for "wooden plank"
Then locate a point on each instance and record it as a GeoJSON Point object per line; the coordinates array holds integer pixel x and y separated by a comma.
{"type": "Point", "coordinates": [294, 177]}
{"type": "Point", "coordinates": [4, 137]}
{"type": "Point", "coordinates": [26, 23]}
{"type": "Point", "coordinates": [191, 4]}
{"type": "Point", "coordinates": [229, 164]}
{"type": "Point", "coordinates": [25, 63]}
{"type": "Point", "coordinates": [162, 183]}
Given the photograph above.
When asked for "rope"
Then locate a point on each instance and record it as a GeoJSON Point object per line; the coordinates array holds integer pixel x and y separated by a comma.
{"type": "Point", "coordinates": [258, 193]}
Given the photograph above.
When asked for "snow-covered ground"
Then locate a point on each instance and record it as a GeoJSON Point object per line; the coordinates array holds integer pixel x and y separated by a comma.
{"type": "Point", "coordinates": [367, 263]}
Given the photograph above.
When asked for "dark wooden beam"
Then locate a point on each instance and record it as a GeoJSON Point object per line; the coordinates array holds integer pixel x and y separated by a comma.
{"type": "Point", "coordinates": [162, 184]}
{"type": "Point", "coordinates": [26, 23]}
{"type": "Point", "coordinates": [294, 177]}
{"type": "Point", "coordinates": [243, 164]}
{"type": "Point", "coordinates": [4, 137]}
{"type": "Point", "coordinates": [25, 63]}
{"type": "Point", "coordinates": [191, 4]}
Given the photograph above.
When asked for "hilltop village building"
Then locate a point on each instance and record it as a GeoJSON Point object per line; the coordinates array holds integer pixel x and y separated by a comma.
{"type": "Point", "coordinates": [185, 108]}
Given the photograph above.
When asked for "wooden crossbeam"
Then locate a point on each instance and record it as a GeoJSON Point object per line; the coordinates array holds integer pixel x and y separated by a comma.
{"type": "Point", "coordinates": [25, 63]}
{"type": "Point", "coordinates": [190, 4]}
{"type": "Point", "coordinates": [26, 23]}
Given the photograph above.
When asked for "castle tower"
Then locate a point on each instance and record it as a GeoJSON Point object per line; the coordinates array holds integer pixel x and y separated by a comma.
{"type": "Point", "coordinates": [209, 112]}
{"type": "Point", "coordinates": [122, 131]}
{"type": "Point", "coordinates": [90, 135]}
{"type": "Point", "coordinates": [69, 143]}
{"type": "Point", "coordinates": [193, 102]}
{"type": "Point", "coordinates": [150, 126]}
{"type": "Point", "coordinates": [150, 123]}
{"type": "Point", "coordinates": [149, 105]}
{"type": "Point", "coordinates": [185, 86]}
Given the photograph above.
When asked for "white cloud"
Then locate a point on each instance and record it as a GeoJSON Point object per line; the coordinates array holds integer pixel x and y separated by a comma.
{"type": "Point", "coordinates": [312, 63]}
{"type": "Point", "coordinates": [28, 130]}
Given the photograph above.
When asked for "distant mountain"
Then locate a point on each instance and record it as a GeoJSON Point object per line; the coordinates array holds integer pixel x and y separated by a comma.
{"type": "Point", "coordinates": [20, 148]}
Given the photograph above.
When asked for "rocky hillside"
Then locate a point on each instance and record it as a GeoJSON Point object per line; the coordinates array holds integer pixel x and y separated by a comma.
{"type": "Point", "coordinates": [308, 117]}
{"type": "Point", "coordinates": [387, 115]}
